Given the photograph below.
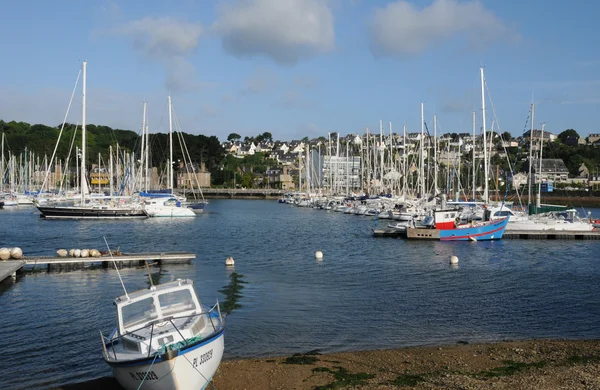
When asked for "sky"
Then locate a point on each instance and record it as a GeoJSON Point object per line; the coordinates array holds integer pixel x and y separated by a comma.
{"type": "Point", "coordinates": [299, 68]}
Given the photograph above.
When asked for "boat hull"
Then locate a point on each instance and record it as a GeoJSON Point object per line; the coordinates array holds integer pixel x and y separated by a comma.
{"type": "Point", "coordinates": [197, 208]}
{"type": "Point", "coordinates": [492, 230]}
{"type": "Point", "coordinates": [50, 212]}
{"type": "Point", "coordinates": [192, 368]}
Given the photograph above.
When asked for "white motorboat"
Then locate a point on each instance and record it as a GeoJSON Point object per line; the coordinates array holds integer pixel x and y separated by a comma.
{"type": "Point", "coordinates": [165, 339]}
{"type": "Point", "coordinates": [166, 207]}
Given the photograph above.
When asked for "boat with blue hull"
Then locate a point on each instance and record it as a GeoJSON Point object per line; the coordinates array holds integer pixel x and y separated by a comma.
{"type": "Point", "coordinates": [444, 226]}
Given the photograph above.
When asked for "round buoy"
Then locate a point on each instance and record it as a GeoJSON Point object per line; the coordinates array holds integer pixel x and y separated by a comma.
{"type": "Point", "coordinates": [229, 261]}
{"type": "Point", "coordinates": [85, 252]}
{"type": "Point", "coordinates": [4, 254]}
{"type": "Point", "coordinates": [453, 260]}
{"type": "Point", "coordinates": [94, 253]}
{"type": "Point", "coordinates": [77, 253]}
{"type": "Point", "coordinates": [318, 255]}
{"type": "Point", "coordinates": [62, 253]}
{"type": "Point", "coordinates": [72, 252]}
{"type": "Point", "coordinates": [16, 253]}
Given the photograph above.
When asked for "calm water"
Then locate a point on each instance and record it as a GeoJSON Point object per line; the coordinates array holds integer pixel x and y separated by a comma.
{"type": "Point", "coordinates": [366, 293]}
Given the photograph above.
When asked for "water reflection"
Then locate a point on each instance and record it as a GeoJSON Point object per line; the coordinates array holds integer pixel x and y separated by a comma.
{"type": "Point", "coordinates": [232, 293]}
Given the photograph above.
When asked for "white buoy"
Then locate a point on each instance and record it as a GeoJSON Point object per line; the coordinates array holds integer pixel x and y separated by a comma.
{"type": "Point", "coordinates": [72, 252]}
{"type": "Point", "coordinates": [62, 253]}
{"type": "Point", "coordinates": [229, 261]}
{"type": "Point", "coordinates": [453, 260]}
{"type": "Point", "coordinates": [77, 253]}
{"type": "Point", "coordinates": [318, 255]}
{"type": "Point", "coordinates": [85, 252]}
{"type": "Point", "coordinates": [16, 253]}
{"type": "Point", "coordinates": [94, 253]}
{"type": "Point", "coordinates": [4, 254]}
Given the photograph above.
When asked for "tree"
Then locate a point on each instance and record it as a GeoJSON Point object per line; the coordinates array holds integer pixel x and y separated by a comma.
{"type": "Point", "coordinates": [234, 137]}
{"type": "Point", "coordinates": [567, 133]}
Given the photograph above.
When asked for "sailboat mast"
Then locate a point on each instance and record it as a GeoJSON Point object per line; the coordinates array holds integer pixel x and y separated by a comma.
{"type": "Point", "coordinates": [538, 198]}
{"type": "Point", "coordinates": [146, 171]}
{"type": "Point", "coordinates": [111, 173]}
{"type": "Point", "coordinates": [82, 173]}
{"type": "Point", "coordinates": [404, 162]}
{"type": "Point", "coordinates": [170, 167]}
{"type": "Point", "coordinates": [422, 161]}
{"type": "Point", "coordinates": [473, 188]}
{"type": "Point", "coordinates": [531, 154]}
{"type": "Point", "coordinates": [435, 164]}
{"type": "Point", "coordinates": [144, 148]}
{"type": "Point", "coordinates": [485, 161]}
{"type": "Point", "coordinates": [2, 166]}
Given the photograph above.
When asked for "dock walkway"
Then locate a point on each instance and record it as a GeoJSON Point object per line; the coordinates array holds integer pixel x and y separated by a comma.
{"type": "Point", "coordinates": [514, 234]}
{"type": "Point", "coordinates": [10, 267]}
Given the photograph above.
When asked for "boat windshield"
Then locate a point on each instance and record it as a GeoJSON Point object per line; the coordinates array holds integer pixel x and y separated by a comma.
{"type": "Point", "coordinates": [175, 302]}
{"type": "Point", "coordinates": [137, 313]}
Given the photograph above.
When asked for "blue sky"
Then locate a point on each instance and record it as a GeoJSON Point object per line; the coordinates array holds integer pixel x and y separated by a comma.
{"type": "Point", "coordinates": [301, 68]}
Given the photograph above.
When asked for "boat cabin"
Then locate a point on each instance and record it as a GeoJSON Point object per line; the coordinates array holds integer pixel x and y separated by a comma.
{"type": "Point", "coordinates": [151, 318]}
{"type": "Point", "coordinates": [446, 219]}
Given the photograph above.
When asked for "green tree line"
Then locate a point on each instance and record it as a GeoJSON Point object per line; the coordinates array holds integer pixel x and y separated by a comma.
{"type": "Point", "coordinates": [41, 140]}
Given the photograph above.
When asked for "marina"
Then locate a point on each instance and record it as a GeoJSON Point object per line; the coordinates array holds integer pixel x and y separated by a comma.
{"type": "Point", "coordinates": [501, 289]}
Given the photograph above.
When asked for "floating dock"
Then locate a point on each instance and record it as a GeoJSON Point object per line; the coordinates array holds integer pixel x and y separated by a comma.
{"type": "Point", "coordinates": [9, 268]}
{"type": "Point", "coordinates": [513, 234]}
{"type": "Point", "coordinates": [551, 235]}
{"type": "Point", "coordinates": [55, 263]}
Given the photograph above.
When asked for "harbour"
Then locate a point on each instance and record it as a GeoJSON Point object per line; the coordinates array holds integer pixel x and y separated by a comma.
{"type": "Point", "coordinates": [293, 302]}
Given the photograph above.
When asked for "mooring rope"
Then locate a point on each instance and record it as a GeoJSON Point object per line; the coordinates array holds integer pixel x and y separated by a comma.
{"type": "Point", "coordinates": [147, 371]}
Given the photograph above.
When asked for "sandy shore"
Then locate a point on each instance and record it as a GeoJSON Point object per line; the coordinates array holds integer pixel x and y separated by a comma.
{"type": "Point", "coordinates": [536, 364]}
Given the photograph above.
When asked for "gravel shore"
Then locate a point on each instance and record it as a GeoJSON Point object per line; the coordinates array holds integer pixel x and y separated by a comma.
{"type": "Point", "coordinates": [534, 364]}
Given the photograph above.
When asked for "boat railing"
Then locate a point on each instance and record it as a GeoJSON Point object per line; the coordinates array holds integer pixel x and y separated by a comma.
{"type": "Point", "coordinates": [216, 326]}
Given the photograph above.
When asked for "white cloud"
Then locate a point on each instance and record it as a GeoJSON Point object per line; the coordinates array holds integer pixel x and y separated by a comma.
{"type": "Point", "coordinates": [401, 29]}
{"type": "Point", "coordinates": [286, 31]}
{"type": "Point", "coordinates": [168, 41]}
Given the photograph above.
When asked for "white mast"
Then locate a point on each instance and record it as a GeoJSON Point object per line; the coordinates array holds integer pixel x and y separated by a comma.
{"type": "Point", "coordinates": [531, 153]}
{"type": "Point", "coordinates": [110, 163]}
{"type": "Point", "coordinates": [144, 147]}
{"type": "Point", "coordinates": [538, 198]}
{"type": "Point", "coordinates": [457, 197]}
{"type": "Point", "coordinates": [485, 162]}
{"type": "Point", "coordinates": [170, 166]}
{"type": "Point", "coordinates": [404, 164]}
{"type": "Point", "coordinates": [146, 171]}
{"type": "Point", "coordinates": [99, 189]}
{"type": "Point", "coordinates": [435, 164]}
{"type": "Point", "coordinates": [82, 173]}
{"type": "Point", "coordinates": [2, 166]}
{"type": "Point", "coordinates": [422, 162]}
{"type": "Point", "coordinates": [473, 150]}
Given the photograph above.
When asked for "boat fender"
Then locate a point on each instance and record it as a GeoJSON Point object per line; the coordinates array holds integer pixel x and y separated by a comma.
{"type": "Point", "coordinates": [16, 253]}
{"type": "Point", "coordinates": [72, 252]}
{"type": "Point", "coordinates": [77, 253]}
{"type": "Point", "coordinates": [4, 253]}
{"type": "Point", "coordinates": [62, 253]}
{"type": "Point", "coordinates": [85, 252]}
{"type": "Point", "coordinates": [169, 354]}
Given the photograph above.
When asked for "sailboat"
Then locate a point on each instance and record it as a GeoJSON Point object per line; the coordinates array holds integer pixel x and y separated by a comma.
{"type": "Point", "coordinates": [166, 205]}
{"type": "Point", "coordinates": [88, 209]}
